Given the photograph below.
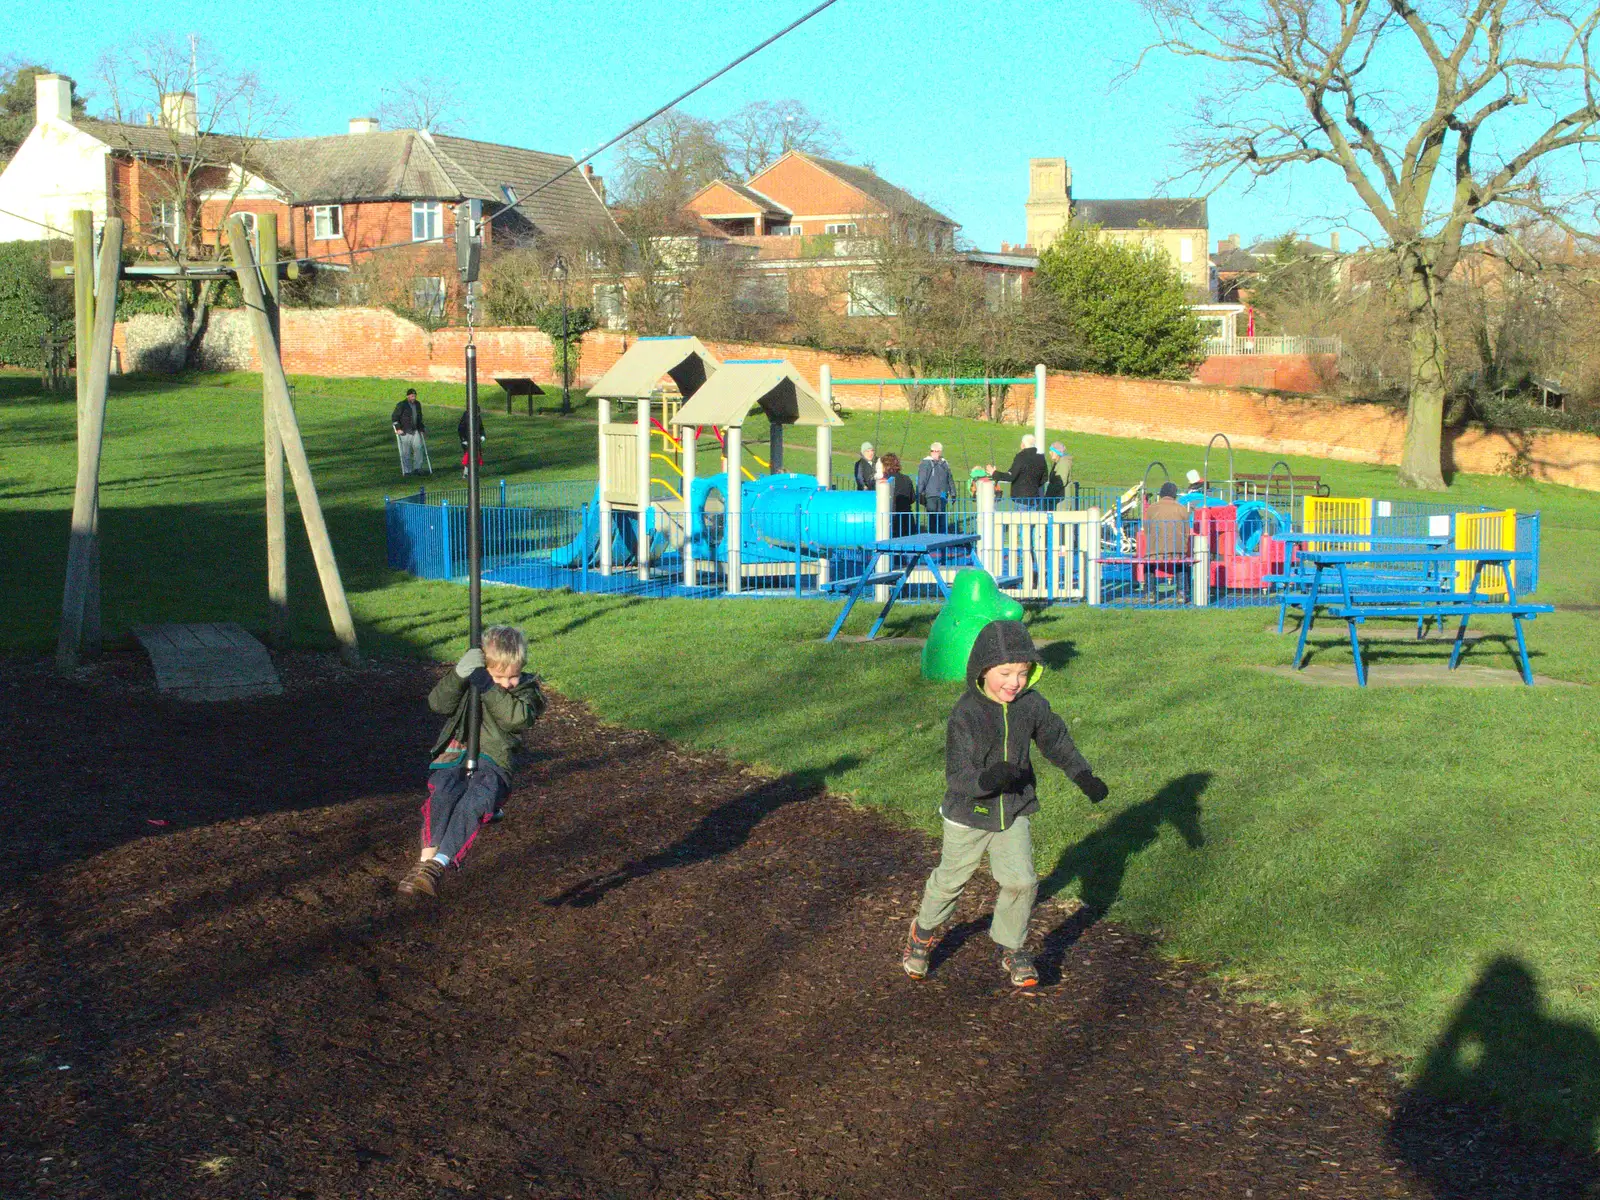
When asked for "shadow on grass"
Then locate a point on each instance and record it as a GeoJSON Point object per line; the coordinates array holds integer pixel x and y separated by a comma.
{"type": "Point", "coordinates": [1506, 1105]}
{"type": "Point", "coordinates": [721, 831]}
{"type": "Point", "coordinates": [1100, 861]}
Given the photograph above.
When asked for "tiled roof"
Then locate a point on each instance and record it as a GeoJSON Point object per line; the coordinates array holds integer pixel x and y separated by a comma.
{"type": "Point", "coordinates": [1141, 214]}
{"type": "Point", "coordinates": [895, 200]}
{"type": "Point", "coordinates": [403, 164]}
{"type": "Point", "coordinates": [1235, 259]}
{"type": "Point", "coordinates": [764, 203]}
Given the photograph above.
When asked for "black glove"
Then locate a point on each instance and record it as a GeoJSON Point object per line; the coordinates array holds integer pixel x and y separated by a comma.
{"type": "Point", "coordinates": [1092, 786]}
{"type": "Point", "coordinates": [1000, 777]}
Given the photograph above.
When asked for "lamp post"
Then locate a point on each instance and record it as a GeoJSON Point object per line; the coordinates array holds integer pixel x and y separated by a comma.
{"type": "Point", "coordinates": [559, 274]}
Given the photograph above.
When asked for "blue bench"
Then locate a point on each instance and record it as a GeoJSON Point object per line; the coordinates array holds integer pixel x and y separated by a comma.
{"type": "Point", "coordinates": [1355, 604]}
{"type": "Point", "coordinates": [907, 554]}
{"type": "Point", "coordinates": [1294, 582]}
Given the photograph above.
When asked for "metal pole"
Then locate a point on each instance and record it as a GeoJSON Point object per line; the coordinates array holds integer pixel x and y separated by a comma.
{"type": "Point", "coordinates": [882, 529]}
{"type": "Point", "coordinates": [689, 439]}
{"type": "Point", "coordinates": [474, 547]}
{"type": "Point", "coordinates": [566, 358]}
{"type": "Point", "coordinates": [1092, 549]}
{"type": "Point", "coordinates": [1038, 408]}
{"type": "Point", "coordinates": [277, 519]}
{"type": "Point", "coordinates": [604, 419]}
{"type": "Point", "coordinates": [1202, 571]}
{"type": "Point", "coordinates": [734, 523]}
{"type": "Point", "coordinates": [642, 447]}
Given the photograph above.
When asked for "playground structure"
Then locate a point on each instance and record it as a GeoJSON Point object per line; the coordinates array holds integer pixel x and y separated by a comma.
{"type": "Point", "coordinates": [653, 524]}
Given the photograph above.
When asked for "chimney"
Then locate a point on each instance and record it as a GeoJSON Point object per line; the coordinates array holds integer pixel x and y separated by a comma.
{"type": "Point", "coordinates": [597, 183]}
{"type": "Point", "coordinates": [1333, 242]}
{"type": "Point", "coordinates": [178, 113]}
{"type": "Point", "coordinates": [52, 98]}
{"type": "Point", "coordinates": [363, 124]}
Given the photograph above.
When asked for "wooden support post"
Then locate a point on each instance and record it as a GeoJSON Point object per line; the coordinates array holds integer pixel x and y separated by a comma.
{"type": "Point", "coordinates": [91, 438]}
{"type": "Point", "coordinates": [305, 488]}
{"type": "Point", "coordinates": [277, 520]}
{"type": "Point", "coordinates": [83, 308]}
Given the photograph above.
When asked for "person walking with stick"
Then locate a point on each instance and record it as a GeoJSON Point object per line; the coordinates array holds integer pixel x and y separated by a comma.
{"type": "Point", "coordinates": [410, 433]}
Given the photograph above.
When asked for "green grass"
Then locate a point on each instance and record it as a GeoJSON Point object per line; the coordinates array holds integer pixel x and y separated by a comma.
{"type": "Point", "coordinates": [1364, 855]}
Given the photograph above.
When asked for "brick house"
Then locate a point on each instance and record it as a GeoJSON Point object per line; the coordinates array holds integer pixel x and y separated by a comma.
{"type": "Point", "coordinates": [335, 197]}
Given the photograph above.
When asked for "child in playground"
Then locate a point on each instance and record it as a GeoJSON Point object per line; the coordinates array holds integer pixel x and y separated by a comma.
{"type": "Point", "coordinates": [989, 795]}
{"type": "Point", "coordinates": [458, 804]}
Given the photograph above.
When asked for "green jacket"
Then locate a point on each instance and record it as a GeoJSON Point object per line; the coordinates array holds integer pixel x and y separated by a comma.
{"type": "Point", "coordinates": [505, 715]}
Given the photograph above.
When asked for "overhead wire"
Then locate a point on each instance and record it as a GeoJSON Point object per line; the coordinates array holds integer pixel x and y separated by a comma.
{"type": "Point", "coordinates": [604, 146]}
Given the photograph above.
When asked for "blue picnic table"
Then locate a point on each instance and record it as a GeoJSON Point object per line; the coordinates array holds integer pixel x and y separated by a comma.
{"type": "Point", "coordinates": [1354, 603]}
{"type": "Point", "coordinates": [1294, 580]}
{"type": "Point", "coordinates": [906, 554]}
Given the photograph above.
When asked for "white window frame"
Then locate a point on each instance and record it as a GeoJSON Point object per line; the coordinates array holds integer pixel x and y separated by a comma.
{"type": "Point", "coordinates": [166, 218]}
{"type": "Point", "coordinates": [428, 294]}
{"type": "Point", "coordinates": [327, 222]}
{"type": "Point", "coordinates": [789, 230]}
{"type": "Point", "coordinates": [847, 228]}
{"type": "Point", "coordinates": [432, 214]}
{"type": "Point", "coordinates": [1186, 250]}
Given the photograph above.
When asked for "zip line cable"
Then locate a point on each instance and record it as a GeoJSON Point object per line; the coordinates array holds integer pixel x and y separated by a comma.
{"type": "Point", "coordinates": [604, 146]}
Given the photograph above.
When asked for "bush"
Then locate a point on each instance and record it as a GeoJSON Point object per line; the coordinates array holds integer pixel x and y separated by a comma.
{"type": "Point", "coordinates": [32, 305]}
{"type": "Point", "coordinates": [1126, 304]}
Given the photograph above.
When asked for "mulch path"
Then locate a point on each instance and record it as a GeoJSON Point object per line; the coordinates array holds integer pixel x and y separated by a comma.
{"type": "Point", "coordinates": [661, 976]}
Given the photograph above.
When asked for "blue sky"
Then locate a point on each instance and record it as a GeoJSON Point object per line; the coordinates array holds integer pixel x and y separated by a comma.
{"type": "Point", "coordinates": [949, 100]}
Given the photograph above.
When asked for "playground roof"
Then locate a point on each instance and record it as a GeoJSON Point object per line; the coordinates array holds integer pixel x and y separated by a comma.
{"type": "Point", "coordinates": [774, 386]}
{"type": "Point", "coordinates": [638, 372]}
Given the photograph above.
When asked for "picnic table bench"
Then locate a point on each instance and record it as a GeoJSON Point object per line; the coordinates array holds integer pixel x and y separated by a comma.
{"type": "Point", "coordinates": [1294, 581]}
{"type": "Point", "coordinates": [1355, 604]}
{"type": "Point", "coordinates": [1281, 487]}
{"type": "Point", "coordinates": [906, 554]}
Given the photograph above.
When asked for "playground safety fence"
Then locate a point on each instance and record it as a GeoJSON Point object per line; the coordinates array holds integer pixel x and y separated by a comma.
{"type": "Point", "coordinates": [543, 535]}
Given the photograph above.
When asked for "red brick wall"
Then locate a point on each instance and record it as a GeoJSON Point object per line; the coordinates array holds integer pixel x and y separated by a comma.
{"type": "Point", "coordinates": [376, 343]}
{"type": "Point", "coordinates": [1308, 374]}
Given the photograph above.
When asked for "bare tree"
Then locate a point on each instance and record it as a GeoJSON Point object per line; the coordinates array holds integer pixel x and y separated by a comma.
{"type": "Point", "coordinates": [669, 160]}
{"type": "Point", "coordinates": [192, 125]}
{"type": "Point", "coordinates": [427, 102]}
{"type": "Point", "coordinates": [1443, 117]}
{"type": "Point", "coordinates": [763, 131]}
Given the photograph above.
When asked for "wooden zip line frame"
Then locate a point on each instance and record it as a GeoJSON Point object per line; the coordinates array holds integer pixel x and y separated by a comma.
{"type": "Point", "coordinates": [95, 306]}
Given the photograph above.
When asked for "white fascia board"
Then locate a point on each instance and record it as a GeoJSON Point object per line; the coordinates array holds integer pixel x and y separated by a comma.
{"type": "Point", "coordinates": [58, 168]}
{"type": "Point", "coordinates": [244, 186]}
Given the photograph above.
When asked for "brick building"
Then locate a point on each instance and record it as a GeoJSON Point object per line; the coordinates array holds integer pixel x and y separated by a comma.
{"type": "Point", "coordinates": [174, 183]}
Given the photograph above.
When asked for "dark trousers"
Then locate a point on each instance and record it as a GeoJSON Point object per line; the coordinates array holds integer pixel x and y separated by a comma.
{"type": "Point", "coordinates": [459, 804]}
{"type": "Point", "coordinates": [934, 506]}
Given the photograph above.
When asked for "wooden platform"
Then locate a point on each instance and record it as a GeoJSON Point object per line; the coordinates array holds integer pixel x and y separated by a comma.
{"type": "Point", "coordinates": [208, 661]}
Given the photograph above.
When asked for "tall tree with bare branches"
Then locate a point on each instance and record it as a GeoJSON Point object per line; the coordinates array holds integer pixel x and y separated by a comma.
{"type": "Point", "coordinates": [194, 123]}
{"type": "Point", "coordinates": [427, 103]}
{"type": "Point", "coordinates": [763, 131]}
{"type": "Point", "coordinates": [1445, 118]}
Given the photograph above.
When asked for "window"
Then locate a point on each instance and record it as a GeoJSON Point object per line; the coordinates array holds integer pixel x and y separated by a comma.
{"type": "Point", "coordinates": [166, 221]}
{"type": "Point", "coordinates": [762, 294]}
{"type": "Point", "coordinates": [427, 295]}
{"type": "Point", "coordinates": [610, 305]}
{"type": "Point", "coordinates": [427, 221]}
{"type": "Point", "coordinates": [1001, 288]}
{"type": "Point", "coordinates": [327, 221]}
{"type": "Point", "coordinates": [1186, 250]}
{"type": "Point", "coordinates": [784, 231]}
{"type": "Point", "coordinates": [848, 228]}
{"type": "Point", "coordinates": [869, 296]}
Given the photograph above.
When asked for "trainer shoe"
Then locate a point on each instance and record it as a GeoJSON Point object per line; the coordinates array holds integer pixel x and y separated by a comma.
{"type": "Point", "coordinates": [915, 958]}
{"type": "Point", "coordinates": [422, 879]}
{"type": "Point", "coordinates": [1019, 966]}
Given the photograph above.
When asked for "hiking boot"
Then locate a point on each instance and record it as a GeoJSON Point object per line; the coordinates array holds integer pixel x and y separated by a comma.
{"type": "Point", "coordinates": [422, 879]}
{"type": "Point", "coordinates": [915, 958]}
{"type": "Point", "coordinates": [1019, 966]}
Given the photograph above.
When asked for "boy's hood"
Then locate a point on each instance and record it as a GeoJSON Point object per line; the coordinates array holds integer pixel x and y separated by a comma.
{"type": "Point", "coordinates": [1002, 642]}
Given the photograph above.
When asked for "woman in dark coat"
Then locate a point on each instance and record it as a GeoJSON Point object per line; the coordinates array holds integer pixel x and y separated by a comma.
{"type": "Point", "coordinates": [902, 496]}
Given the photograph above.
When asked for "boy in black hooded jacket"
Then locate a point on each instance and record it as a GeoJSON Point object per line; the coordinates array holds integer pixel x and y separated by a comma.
{"type": "Point", "coordinates": [989, 795]}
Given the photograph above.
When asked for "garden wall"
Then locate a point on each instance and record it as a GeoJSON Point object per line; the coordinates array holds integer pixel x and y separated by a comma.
{"type": "Point", "coordinates": [376, 342]}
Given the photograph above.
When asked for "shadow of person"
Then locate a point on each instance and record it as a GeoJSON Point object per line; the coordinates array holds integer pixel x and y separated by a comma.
{"type": "Point", "coordinates": [723, 829]}
{"type": "Point", "coordinates": [1058, 654]}
{"type": "Point", "coordinates": [1100, 861]}
{"type": "Point", "coordinates": [1507, 1103]}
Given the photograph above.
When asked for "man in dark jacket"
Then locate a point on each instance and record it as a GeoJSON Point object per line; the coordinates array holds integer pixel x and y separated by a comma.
{"type": "Point", "coordinates": [409, 431]}
{"type": "Point", "coordinates": [867, 469]}
{"type": "Point", "coordinates": [1027, 473]}
{"type": "Point", "coordinates": [934, 486]}
{"type": "Point", "coordinates": [989, 795]}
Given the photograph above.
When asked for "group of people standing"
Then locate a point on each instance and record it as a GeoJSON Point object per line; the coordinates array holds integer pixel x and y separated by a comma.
{"type": "Point", "coordinates": [411, 434]}
{"type": "Point", "coordinates": [1033, 477]}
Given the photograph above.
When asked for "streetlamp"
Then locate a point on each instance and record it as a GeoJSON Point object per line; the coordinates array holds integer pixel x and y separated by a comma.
{"type": "Point", "coordinates": [559, 274]}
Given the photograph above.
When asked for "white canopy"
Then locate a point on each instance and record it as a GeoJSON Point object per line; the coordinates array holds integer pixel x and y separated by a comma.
{"type": "Point", "coordinates": [770, 384]}
{"type": "Point", "coordinates": [640, 369]}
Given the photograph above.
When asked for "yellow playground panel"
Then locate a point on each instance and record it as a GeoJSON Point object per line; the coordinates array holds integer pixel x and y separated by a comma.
{"type": "Point", "coordinates": [1485, 531]}
{"type": "Point", "coordinates": [1337, 514]}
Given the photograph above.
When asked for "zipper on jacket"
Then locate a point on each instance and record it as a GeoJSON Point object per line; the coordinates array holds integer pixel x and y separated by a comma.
{"type": "Point", "coordinates": [1005, 749]}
